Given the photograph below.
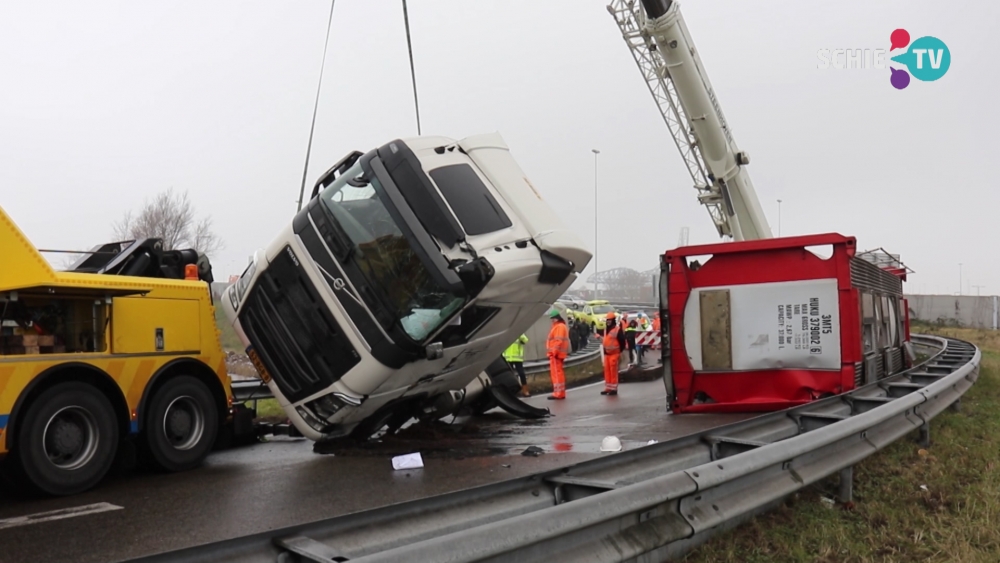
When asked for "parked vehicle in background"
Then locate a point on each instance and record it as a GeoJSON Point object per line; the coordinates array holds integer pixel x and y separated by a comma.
{"type": "Point", "coordinates": [596, 312]}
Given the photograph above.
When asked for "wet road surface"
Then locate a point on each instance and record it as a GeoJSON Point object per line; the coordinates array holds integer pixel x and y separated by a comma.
{"type": "Point", "coordinates": [282, 482]}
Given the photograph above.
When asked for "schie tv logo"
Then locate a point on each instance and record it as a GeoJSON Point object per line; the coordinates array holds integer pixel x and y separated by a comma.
{"type": "Point", "coordinates": [927, 58]}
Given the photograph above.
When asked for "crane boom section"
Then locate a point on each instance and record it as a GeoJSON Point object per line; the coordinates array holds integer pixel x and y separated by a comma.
{"type": "Point", "coordinates": [680, 85]}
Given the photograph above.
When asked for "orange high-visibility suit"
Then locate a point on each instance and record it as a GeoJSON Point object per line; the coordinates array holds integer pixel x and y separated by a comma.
{"type": "Point", "coordinates": [558, 348]}
{"type": "Point", "coordinates": [656, 323]}
{"type": "Point", "coordinates": [612, 352]}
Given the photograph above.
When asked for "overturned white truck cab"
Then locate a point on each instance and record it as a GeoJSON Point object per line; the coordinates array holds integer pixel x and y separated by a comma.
{"type": "Point", "coordinates": [410, 270]}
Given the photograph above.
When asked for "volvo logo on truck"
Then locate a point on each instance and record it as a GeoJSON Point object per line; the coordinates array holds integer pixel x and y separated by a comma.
{"type": "Point", "coordinates": [291, 255]}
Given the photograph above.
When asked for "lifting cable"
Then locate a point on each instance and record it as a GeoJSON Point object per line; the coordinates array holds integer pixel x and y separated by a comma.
{"type": "Point", "coordinates": [312, 128]}
{"type": "Point", "coordinates": [413, 73]}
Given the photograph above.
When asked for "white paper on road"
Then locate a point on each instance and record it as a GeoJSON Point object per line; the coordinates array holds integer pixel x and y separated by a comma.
{"type": "Point", "coordinates": [407, 461]}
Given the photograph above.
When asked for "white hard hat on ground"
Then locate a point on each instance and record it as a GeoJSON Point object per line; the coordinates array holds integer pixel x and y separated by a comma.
{"type": "Point", "coordinates": [611, 444]}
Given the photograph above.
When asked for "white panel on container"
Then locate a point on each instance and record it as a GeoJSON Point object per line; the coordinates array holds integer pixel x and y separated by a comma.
{"type": "Point", "coordinates": [692, 328]}
{"type": "Point", "coordinates": [775, 325]}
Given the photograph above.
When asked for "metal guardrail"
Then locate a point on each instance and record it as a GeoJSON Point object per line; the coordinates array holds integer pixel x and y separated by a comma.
{"type": "Point", "coordinates": [660, 499]}
{"type": "Point", "coordinates": [253, 389]}
{"type": "Point", "coordinates": [592, 351]}
{"type": "Point", "coordinates": [249, 389]}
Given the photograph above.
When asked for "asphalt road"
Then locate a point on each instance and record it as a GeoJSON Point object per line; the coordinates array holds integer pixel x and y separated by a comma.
{"type": "Point", "coordinates": [282, 482]}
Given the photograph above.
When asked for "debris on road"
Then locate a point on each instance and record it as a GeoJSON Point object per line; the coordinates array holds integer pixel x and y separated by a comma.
{"type": "Point", "coordinates": [611, 444]}
{"type": "Point", "coordinates": [533, 451]}
{"type": "Point", "coordinates": [407, 461]}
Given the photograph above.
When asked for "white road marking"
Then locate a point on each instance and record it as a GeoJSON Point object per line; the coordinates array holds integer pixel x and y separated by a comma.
{"type": "Point", "coordinates": [591, 417]}
{"type": "Point", "coordinates": [58, 514]}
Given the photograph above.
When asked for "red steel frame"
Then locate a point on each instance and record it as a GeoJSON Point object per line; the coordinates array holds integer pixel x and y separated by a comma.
{"type": "Point", "coordinates": [753, 262]}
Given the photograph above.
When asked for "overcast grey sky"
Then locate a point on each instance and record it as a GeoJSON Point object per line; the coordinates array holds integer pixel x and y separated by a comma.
{"type": "Point", "coordinates": [103, 104]}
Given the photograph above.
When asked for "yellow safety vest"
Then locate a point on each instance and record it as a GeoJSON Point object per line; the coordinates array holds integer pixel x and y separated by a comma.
{"type": "Point", "coordinates": [515, 352]}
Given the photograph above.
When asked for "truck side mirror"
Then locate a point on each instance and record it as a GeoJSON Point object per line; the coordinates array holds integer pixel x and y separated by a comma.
{"type": "Point", "coordinates": [434, 351]}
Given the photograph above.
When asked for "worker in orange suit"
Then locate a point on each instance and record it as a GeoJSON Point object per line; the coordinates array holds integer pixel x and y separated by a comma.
{"type": "Point", "coordinates": [613, 343]}
{"type": "Point", "coordinates": [656, 322]}
{"type": "Point", "coordinates": [557, 348]}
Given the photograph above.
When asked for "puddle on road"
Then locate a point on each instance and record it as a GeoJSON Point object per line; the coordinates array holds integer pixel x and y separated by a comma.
{"type": "Point", "coordinates": [432, 440]}
{"type": "Point", "coordinates": [488, 435]}
{"type": "Point", "coordinates": [475, 439]}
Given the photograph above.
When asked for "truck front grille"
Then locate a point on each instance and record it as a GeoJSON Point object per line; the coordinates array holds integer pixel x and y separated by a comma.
{"type": "Point", "coordinates": [292, 330]}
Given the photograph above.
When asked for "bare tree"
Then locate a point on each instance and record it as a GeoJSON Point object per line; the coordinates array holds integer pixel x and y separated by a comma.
{"type": "Point", "coordinates": [171, 217]}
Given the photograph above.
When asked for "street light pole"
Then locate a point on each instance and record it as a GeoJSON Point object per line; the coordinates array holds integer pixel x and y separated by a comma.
{"type": "Point", "coordinates": [960, 278]}
{"type": "Point", "coordinates": [978, 287]}
{"type": "Point", "coordinates": [596, 209]}
{"type": "Point", "coordinates": [779, 217]}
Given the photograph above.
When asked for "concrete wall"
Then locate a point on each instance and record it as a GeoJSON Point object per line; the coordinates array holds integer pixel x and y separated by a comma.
{"type": "Point", "coordinates": [219, 287]}
{"type": "Point", "coordinates": [963, 310]}
{"type": "Point", "coordinates": [537, 335]}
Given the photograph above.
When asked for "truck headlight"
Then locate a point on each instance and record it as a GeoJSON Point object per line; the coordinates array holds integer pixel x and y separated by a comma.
{"type": "Point", "coordinates": [352, 401]}
{"type": "Point", "coordinates": [326, 406]}
{"type": "Point", "coordinates": [315, 423]}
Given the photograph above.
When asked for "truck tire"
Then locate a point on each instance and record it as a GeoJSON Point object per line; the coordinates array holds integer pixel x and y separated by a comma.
{"type": "Point", "coordinates": [486, 402]}
{"type": "Point", "coordinates": [67, 440]}
{"type": "Point", "coordinates": [181, 424]}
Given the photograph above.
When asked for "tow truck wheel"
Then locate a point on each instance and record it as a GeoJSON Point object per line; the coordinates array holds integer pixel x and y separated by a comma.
{"type": "Point", "coordinates": [67, 439]}
{"type": "Point", "coordinates": [181, 423]}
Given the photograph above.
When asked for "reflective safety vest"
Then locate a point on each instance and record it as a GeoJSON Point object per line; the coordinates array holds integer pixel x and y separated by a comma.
{"type": "Point", "coordinates": [558, 342]}
{"type": "Point", "coordinates": [611, 346]}
{"type": "Point", "coordinates": [515, 352]}
{"type": "Point", "coordinates": [656, 324]}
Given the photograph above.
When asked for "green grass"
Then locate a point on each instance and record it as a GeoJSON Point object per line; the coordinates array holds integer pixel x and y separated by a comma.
{"type": "Point", "coordinates": [227, 336]}
{"type": "Point", "coordinates": [957, 517]}
{"type": "Point", "coordinates": [270, 410]}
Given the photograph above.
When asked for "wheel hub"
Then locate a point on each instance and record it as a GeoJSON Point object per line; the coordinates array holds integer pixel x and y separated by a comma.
{"type": "Point", "coordinates": [66, 439]}
{"type": "Point", "coordinates": [179, 423]}
{"type": "Point", "coordinates": [184, 423]}
{"type": "Point", "coordinates": [70, 438]}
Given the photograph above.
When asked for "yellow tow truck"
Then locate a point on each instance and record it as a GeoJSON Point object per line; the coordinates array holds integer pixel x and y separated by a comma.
{"type": "Point", "coordinates": [118, 356]}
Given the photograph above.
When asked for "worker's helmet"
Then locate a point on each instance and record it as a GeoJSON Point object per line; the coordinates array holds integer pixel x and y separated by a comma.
{"type": "Point", "coordinates": [611, 444]}
{"type": "Point", "coordinates": [554, 314]}
{"type": "Point", "coordinates": [610, 316]}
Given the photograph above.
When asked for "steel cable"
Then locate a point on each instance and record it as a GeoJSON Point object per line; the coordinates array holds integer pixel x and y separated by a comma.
{"type": "Point", "coordinates": [413, 73]}
{"type": "Point", "coordinates": [319, 86]}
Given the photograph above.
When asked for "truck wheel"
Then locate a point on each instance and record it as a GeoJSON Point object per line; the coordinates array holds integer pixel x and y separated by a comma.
{"type": "Point", "coordinates": [181, 424]}
{"type": "Point", "coordinates": [67, 440]}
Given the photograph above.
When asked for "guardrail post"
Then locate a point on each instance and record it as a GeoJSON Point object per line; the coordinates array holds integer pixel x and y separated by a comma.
{"type": "Point", "coordinates": [956, 406]}
{"type": "Point", "coordinates": [925, 435]}
{"type": "Point", "coordinates": [845, 490]}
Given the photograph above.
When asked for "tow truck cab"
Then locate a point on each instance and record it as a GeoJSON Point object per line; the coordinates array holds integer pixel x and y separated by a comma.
{"type": "Point", "coordinates": [412, 268]}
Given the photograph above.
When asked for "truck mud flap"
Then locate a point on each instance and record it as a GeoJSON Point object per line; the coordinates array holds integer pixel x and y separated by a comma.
{"type": "Point", "coordinates": [503, 389]}
{"type": "Point", "coordinates": [506, 399]}
{"type": "Point", "coordinates": [501, 375]}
